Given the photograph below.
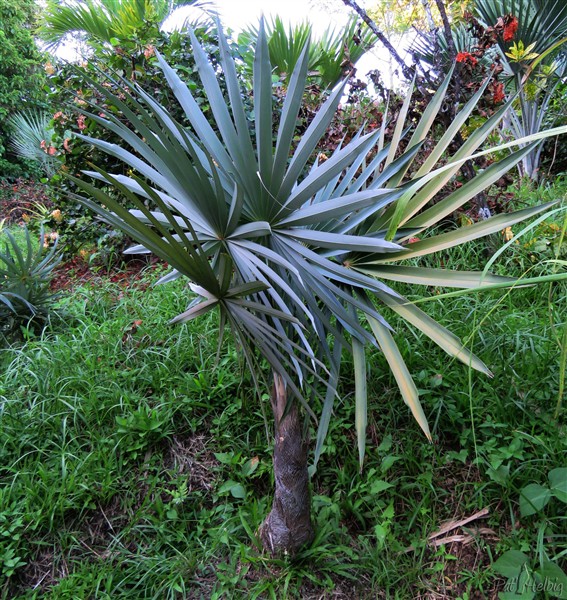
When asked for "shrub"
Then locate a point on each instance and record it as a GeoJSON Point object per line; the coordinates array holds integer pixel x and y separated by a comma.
{"type": "Point", "coordinates": [21, 77]}
{"type": "Point", "coordinates": [138, 63]}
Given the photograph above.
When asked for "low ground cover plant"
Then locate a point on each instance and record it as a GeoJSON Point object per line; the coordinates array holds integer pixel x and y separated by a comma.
{"type": "Point", "coordinates": [134, 465]}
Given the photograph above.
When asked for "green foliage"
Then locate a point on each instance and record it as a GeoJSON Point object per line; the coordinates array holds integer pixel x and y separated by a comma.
{"type": "Point", "coordinates": [99, 522]}
{"type": "Point", "coordinates": [107, 21]}
{"type": "Point", "coordinates": [72, 89]}
{"type": "Point", "coordinates": [25, 274]}
{"type": "Point", "coordinates": [401, 16]}
{"type": "Point", "coordinates": [535, 61]}
{"type": "Point", "coordinates": [21, 74]}
{"type": "Point", "coordinates": [14, 522]}
{"type": "Point", "coordinates": [540, 22]}
{"type": "Point", "coordinates": [285, 44]}
{"type": "Point", "coordinates": [331, 57]}
{"type": "Point", "coordinates": [519, 42]}
{"type": "Point", "coordinates": [543, 241]}
{"type": "Point", "coordinates": [475, 60]}
{"type": "Point", "coordinates": [122, 38]}
{"type": "Point", "coordinates": [554, 155]}
{"type": "Point", "coordinates": [531, 576]}
{"type": "Point", "coordinates": [31, 138]}
{"type": "Point", "coordinates": [142, 427]}
{"type": "Point", "coordinates": [292, 253]}
{"type": "Point", "coordinates": [77, 227]}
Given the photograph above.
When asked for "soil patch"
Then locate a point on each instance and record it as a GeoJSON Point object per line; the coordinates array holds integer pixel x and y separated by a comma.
{"type": "Point", "coordinates": [76, 272]}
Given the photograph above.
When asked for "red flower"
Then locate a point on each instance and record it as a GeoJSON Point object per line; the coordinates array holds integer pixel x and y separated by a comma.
{"type": "Point", "coordinates": [510, 28]}
{"type": "Point", "coordinates": [498, 95]}
{"type": "Point", "coordinates": [466, 57]}
{"type": "Point", "coordinates": [47, 149]}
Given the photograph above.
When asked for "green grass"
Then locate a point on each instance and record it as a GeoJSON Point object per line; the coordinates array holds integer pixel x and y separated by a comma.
{"type": "Point", "coordinates": [134, 466]}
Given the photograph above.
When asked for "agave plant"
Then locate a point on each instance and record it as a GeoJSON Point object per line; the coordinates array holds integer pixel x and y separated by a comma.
{"type": "Point", "coordinates": [330, 58]}
{"type": "Point", "coordinates": [25, 275]}
{"type": "Point", "coordinates": [293, 253]}
{"type": "Point", "coordinates": [285, 45]}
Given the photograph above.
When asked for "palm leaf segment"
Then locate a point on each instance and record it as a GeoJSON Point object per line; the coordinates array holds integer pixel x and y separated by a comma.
{"type": "Point", "coordinates": [290, 253]}
{"type": "Point", "coordinates": [31, 132]}
{"type": "Point", "coordinates": [104, 20]}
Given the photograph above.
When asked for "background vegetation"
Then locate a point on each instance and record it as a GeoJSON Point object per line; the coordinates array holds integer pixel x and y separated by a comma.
{"type": "Point", "coordinates": [21, 77]}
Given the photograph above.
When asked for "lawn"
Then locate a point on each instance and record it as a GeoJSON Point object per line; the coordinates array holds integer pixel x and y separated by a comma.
{"type": "Point", "coordinates": [136, 463]}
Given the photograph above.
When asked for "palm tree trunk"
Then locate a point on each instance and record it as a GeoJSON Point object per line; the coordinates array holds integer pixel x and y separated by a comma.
{"type": "Point", "coordinates": [288, 526]}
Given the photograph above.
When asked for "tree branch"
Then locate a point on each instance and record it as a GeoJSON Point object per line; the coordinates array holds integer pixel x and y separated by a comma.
{"type": "Point", "coordinates": [447, 30]}
{"type": "Point", "coordinates": [428, 15]}
{"type": "Point", "coordinates": [406, 70]}
{"type": "Point", "coordinates": [452, 56]}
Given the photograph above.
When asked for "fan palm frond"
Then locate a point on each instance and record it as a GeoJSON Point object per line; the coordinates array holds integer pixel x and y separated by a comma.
{"type": "Point", "coordinates": [31, 138]}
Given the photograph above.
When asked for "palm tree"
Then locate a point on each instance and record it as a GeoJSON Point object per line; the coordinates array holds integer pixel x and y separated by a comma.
{"type": "Point", "coordinates": [103, 21]}
{"type": "Point", "coordinates": [294, 254]}
{"type": "Point", "coordinates": [331, 57]}
{"type": "Point", "coordinates": [31, 135]}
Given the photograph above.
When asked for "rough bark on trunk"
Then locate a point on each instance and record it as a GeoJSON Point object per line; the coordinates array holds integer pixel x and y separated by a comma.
{"type": "Point", "coordinates": [288, 526]}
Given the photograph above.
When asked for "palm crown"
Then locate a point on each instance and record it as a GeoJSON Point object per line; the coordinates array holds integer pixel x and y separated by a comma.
{"type": "Point", "coordinates": [105, 20]}
{"type": "Point", "coordinates": [294, 254]}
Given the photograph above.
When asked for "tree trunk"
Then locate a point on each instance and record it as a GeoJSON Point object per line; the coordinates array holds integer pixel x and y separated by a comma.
{"type": "Point", "coordinates": [288, 526]}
